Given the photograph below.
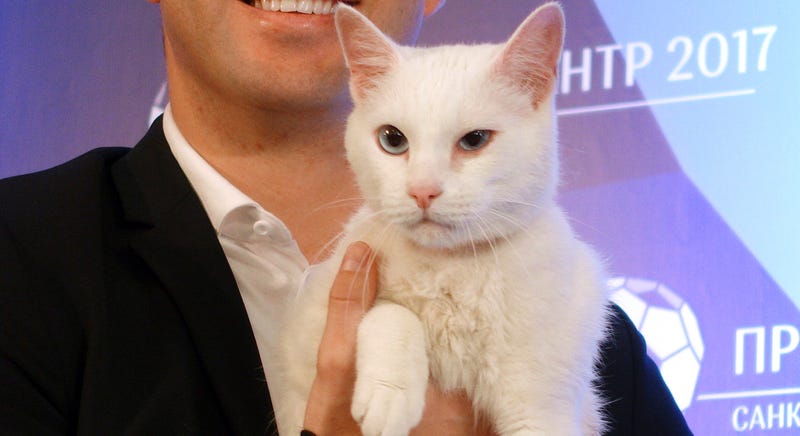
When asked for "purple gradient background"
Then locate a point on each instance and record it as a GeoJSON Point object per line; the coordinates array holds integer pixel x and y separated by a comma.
{"type": "Point", "coordinates": [83, 75]}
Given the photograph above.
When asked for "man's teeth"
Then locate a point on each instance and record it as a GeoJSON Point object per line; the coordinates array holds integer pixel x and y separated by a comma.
{"type": "Point", "coordinates": [303, 6]}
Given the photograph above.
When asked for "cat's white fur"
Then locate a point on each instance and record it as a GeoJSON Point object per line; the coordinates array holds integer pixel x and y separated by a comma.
{"type": "Point", "coordinates": [487, 290]}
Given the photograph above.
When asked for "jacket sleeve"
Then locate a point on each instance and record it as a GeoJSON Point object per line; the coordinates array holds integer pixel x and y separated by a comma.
{"type": "Point", "coordinates": [638, 401]}
{"type": "Point", "coordinates": [39, 343]}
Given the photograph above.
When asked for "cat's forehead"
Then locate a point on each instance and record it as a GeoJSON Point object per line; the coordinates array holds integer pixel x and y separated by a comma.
{"type": "Point", "coordinates": [451, 86]}
{"type": "Point", "coordinates": [453, 58]}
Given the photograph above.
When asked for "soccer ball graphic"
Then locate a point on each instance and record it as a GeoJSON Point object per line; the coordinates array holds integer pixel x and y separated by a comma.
{"type": "Point", "coordinates": [670, 328]}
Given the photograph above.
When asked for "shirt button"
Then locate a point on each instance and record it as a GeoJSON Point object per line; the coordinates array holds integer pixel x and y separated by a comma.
{"type": "Point", "coordinates": [262, 228]}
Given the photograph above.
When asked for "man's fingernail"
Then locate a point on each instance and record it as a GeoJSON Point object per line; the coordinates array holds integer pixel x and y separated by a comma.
{"type": "Point", "coordinates": [354, 257]}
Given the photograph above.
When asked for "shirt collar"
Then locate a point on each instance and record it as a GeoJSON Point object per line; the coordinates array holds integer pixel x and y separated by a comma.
{"type": "Point", "coordinates": [218, 195]}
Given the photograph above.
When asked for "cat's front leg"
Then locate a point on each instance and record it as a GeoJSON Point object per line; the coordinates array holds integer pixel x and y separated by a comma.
{"type": "Point", "coordinates": [391, 371]}
{"type": "Point", "coordinates": [538, 401]}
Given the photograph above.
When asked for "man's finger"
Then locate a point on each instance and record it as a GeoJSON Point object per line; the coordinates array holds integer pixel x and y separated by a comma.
{"type": "Point", "coordinates": [352, 294]}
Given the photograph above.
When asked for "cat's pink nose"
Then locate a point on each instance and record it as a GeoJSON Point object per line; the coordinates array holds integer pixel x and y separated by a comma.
{"type": "Point", "coordinates": [424, 195]}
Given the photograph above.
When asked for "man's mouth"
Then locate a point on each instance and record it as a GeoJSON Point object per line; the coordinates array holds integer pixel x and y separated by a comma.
{"type": "Point", "coordinates": [317, 7]}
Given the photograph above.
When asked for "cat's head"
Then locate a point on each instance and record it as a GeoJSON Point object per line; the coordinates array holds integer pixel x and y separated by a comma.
{"type": "Point", "coordinates": [454, 145]}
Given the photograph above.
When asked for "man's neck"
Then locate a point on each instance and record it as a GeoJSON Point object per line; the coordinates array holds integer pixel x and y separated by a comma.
{"type": "Point", "coordinates": [292, 163]}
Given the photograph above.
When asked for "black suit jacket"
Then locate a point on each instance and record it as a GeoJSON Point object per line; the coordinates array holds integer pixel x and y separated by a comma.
{"type": "Point", "coordinates": [119, 313]}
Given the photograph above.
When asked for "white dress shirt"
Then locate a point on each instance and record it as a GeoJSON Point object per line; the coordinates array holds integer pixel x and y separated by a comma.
{"type": "Point", "coordinates": [264, 257]}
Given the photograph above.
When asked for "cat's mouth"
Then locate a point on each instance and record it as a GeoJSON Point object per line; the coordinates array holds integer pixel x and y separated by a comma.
{"type": "Point", "coordinates": [315, 7]}
{"type": "Point", "coordinates": [431, 223]}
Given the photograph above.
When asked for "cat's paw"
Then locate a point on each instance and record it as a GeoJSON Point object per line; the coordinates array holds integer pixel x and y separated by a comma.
{"type": "Point", "coordinates": [387, 409]}
{"type": "Point", "coordinates": [391, 371]}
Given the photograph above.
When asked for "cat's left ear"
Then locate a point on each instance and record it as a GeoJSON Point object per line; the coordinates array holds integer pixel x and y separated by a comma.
{"type": "Point", "coordinates": [530, 57]}
{"type": "Point", "coordinates": [369, 54]}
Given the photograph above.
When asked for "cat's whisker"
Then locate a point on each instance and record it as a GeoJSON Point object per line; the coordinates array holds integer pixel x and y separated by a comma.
{"type": "Point", "coordinates": [515, 222]}
{"type": "Point", "coordinates": [520, 202]}
{"type": "Point", "coordinates": [520, 226]}
{"type": "Point", "coordinates": [377, 244]}
{"type": "Point", "coordinates": [382, 239]}
{"type": "Point", "coordinates": [584, 224]}
{"type": "Point", "coordinates": [375, 251]}
{"type": "Point", "coordinates": [372, 258]}
{"type": "Point", "coordinates": [322, 253]}
{"type": "Point", "coordinates": [364, 284]}
{"type": "Point", "coordinates": [522, 263]}
{"type": "Point", "coordinates": [472, 242]}
{"type": "Point", "coordinates": [465, 226]}
{"type": "Point", "coordinates": [320, 256]}
{"type": "Point", "coordinates": [489, 240]}
{"type": "Point", "coordinates": [342, 202]}
{"type": "Point", "coordinates": [541, 207]}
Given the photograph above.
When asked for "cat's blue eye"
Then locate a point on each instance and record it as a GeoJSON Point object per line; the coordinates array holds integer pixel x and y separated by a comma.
{"type": "Point", "coordinates": [474, 140]}
{"type": "Point", "coordinates": [392, 140]}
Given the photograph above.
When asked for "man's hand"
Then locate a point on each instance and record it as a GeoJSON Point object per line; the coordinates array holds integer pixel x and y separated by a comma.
{"type": "Point", "coordinates": [449, 414]}
{"type": "Point", "coordinates": [352, 294]}
{"type": "Point", "coordinates": [328, 408]}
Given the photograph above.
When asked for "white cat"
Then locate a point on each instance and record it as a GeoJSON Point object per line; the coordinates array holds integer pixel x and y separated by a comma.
{"type": "Point", "coordinates": [483, 285]}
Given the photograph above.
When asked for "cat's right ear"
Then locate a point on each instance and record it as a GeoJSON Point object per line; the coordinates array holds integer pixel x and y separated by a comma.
{"type": "Point", "coordinates": [369, 54]}
{"type": "Point", "coordinates": [529, 60]}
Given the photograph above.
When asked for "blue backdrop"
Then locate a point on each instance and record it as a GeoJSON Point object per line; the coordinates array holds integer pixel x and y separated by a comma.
{"type": "Point", "coordinates": [679, 132]}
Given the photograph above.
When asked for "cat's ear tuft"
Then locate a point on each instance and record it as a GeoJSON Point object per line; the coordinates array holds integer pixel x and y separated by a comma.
{"type": "Point", "coordinates": [530, 58]}
{"type": "Point", "coordinates": [369, 54]}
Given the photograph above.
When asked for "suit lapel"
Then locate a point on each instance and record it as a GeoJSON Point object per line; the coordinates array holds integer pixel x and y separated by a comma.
{"type": "Point", "coordinates": [178, 242]}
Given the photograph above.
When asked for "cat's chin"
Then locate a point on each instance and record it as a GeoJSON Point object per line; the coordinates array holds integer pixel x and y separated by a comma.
{"type": "Point", "coordinates": [439, 237]}
{"type": "Point", "coordinates": [432, 235]}
{"type": "Point", "coordinates": [430, 229]}
{"type": "Point", "coordinates": [450, 239]}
